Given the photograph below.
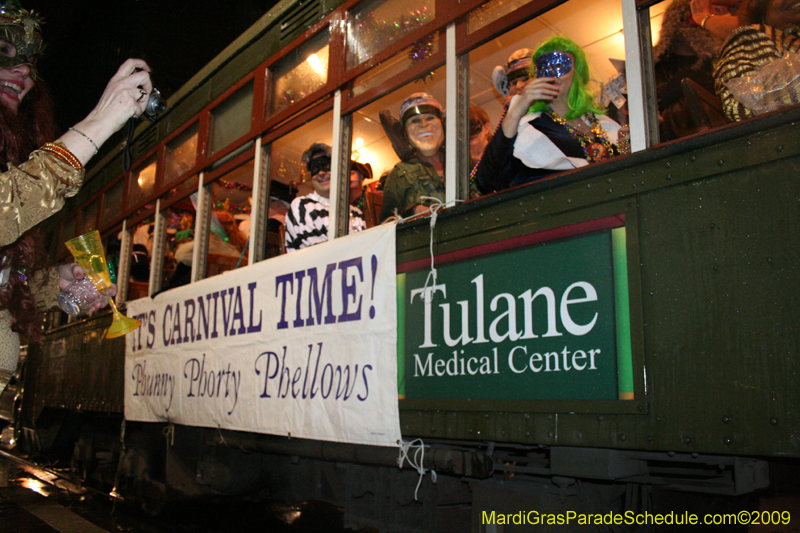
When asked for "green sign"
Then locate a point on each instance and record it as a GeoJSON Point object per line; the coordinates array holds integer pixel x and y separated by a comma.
{"type": "Point", "coordinates": [547, 321]}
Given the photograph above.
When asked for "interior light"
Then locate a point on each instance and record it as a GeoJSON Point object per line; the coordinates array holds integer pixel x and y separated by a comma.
{"type": "Point", "coordinates": [359, 142]}
{"type": "Point", "coordinates": [315, 63]}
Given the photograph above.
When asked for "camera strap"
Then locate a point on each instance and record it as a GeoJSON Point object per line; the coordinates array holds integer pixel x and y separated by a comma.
{"type": "Point", "coordinates": [126, 151]}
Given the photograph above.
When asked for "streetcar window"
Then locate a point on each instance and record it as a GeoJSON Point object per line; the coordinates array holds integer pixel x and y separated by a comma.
{"type": "Point", "coordinates": [181, 188]}
{"type": "Point", "coordinates": [112, 202]}
{"type": "Point", "coordinates": [143, 181]}
{"type": "Point", "coordinates": [141, 252]}
{"type": "Point", "coordinates": [374, 25]}
{"type": "Point", "coordinates": [683, 54]}
{"type": "Point", "coordinates": [490, 12]}
{"type": "Point", "coordinates": [285, 165]}
{"type": "Point", "coordinates": [231, 119]}
{"type": "Point", "coordinates": [594, 25]}
{"type": "Point", "coordinates": [397, 64]}
{"type": "Point", "coordinates": [180, 154]}
{"type": "Point", "coordinates": [231, 201]}
{"type": "Point", "coordinates": [179, 220]}
{"type": "Point", "coordinates": [89, 218]}
{"type": "Point", "coordinates": [376, 147]}
{"type": "Point", "coordinates": [300, 73]}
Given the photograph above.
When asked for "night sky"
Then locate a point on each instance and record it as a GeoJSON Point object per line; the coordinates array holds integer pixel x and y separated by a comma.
{"type": "Point", "coordinates": [87, 40]}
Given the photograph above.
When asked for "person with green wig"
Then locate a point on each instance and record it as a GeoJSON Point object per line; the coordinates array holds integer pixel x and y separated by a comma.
{"type": "Point", "coordinates": [554, 124]}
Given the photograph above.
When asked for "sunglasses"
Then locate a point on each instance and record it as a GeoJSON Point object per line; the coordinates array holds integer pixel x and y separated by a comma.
{"type": "Point", "coordinates": [319, 164]}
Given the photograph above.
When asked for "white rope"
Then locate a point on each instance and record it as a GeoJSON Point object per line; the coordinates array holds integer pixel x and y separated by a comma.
{"type": "Point", "coordinates": [417, 461]}
{"type": "Point", "coordinates": [169, 434]}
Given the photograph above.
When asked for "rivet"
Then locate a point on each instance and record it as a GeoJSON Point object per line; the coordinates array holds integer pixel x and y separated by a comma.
{"type": "Point", "coordinates": [588, 185]}
{"type": "Point", "coordinates": [608, 180]}
{"type": "Point", "coordinates": [669, 176]}
{"type": "Point", "coordinates": [773, 421]}
{"type": "Point", "coordinates": [669, 165]}
{"type": "Point", "coordinates": [779, 148]}
{"type": "Point", "coordinates": [527, 433]}
{"type": "Point", "coordinates": [600, 418]}
{"type": "Point", "coordinates": [715, 267]}
{"type": "Point", "coordinates": [569, 200]}
{"type": "Point", "coordinates": [727, 441]}
{"type": "Point", "coordinates": [623, 437]}
{"type": "Point", "coordinates": [694, 158]}
{"type": "Point", "coordinates": [610, 191]}
{"type": "Point", "coordinates": [550, 434]}
{"type": "Point", "coordinates": [433, 430]}
{"type": "Point", "coordinates": [726, 419]}
{"type": "Point", "coordinates": [721, 162]}
{"type": "Point", "coordinates": [687, 440]}
{"type": "Point", "coordinates": [527, 416]}
{"type": "Point", "coordinates": [671, 454]}
{"type": "Point", "coordinates": [769, 260]}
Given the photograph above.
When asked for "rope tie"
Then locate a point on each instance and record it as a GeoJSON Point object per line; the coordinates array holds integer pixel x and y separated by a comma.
{"type": "Point", "coordinates": [416, 462]}
{"type": "Point", "coordinates": [169, 434]}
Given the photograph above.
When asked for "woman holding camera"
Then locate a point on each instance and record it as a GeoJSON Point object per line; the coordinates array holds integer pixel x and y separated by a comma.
{"type": "Point", "coordinates": [39, 170]}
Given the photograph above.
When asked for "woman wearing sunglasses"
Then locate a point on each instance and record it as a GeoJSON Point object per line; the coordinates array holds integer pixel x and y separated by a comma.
{"type": "Point", "coordinates": [554, 124]}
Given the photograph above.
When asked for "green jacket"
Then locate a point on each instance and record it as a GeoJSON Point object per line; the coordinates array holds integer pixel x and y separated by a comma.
{"type": "Point", "coordinates": [408, 181]}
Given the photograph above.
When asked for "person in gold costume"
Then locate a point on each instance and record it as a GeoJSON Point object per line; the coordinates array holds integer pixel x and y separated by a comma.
{"type": "Point", "coordinates": [40, 170]}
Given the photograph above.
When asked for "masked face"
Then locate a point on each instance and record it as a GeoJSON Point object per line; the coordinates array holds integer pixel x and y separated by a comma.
{"type": "Point", "coordinates": [15, 83]}
{"type": "Point", "coordinates": [425, 133]}
{"type": "Point", "coordinates": [21, 41]}
{"type": "Point", "coordinates": [553, 65]}
{"type": "Point", "coordinates": [320, 169]}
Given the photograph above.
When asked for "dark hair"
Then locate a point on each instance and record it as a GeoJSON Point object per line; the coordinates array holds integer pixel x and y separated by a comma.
{"type": "Point", "coordinates": [753, 12]}
{"type": "Point", "coordinates": [30, 127]}
{"type": "Point", "coordinates": [20, 134]}
{"type": "Point", "coordinates": [25, 256]}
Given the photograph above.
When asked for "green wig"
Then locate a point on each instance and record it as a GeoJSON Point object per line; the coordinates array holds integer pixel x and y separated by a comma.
{"type": "Point", "coordinates": [581, 98]}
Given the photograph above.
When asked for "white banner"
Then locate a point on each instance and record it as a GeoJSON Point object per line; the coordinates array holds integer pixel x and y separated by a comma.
{"type": "Point", "coordinates": [302, 345]}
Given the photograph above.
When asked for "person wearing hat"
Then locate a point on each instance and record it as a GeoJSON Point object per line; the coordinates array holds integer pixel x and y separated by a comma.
{"type": "Point", "coordinates": [308, 217]}
{"type": "Point", "coordinates": [511, 79]}
{"type": "Point", "coordinates": [422, 174]}
{"type": "Point", "coordinates": [39, 170]}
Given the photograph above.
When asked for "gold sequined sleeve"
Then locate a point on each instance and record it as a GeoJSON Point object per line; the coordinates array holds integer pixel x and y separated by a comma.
{"type": "Point", "coordinates": [34, 190]}
{"type": "Point", "coordinates": [747, 49]}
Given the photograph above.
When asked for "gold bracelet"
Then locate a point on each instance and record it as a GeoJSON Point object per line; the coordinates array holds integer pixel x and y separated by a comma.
{"type": "Point", "coordinates": [63, 154]}
{"type": "Point", "coordinates": [624, 147]}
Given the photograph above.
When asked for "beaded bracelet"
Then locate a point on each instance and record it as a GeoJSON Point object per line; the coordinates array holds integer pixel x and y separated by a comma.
{"type": "Point", "coordinates": [63, 154]}
{"type": "Point", "coordinates": [79, 132]}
